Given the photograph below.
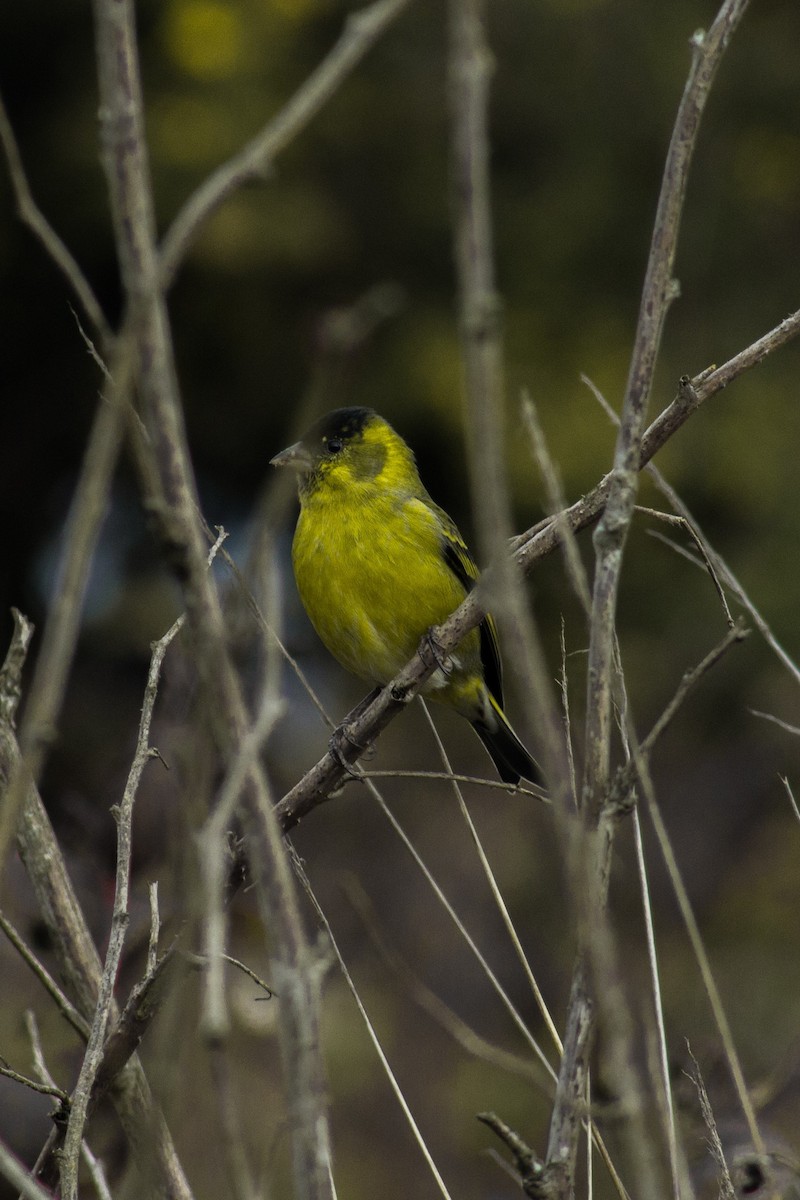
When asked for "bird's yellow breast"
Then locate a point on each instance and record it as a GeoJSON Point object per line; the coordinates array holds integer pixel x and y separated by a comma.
{"type": "Point", "coordinates": [371, 574]}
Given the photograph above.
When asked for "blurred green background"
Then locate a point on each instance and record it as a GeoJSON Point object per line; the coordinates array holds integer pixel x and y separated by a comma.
{"type": "Point", "coordinates": [356, 218]}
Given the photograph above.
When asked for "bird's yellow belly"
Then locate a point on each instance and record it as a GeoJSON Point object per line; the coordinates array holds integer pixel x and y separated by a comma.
{"type": "Point", "coordinates": [373, 584]}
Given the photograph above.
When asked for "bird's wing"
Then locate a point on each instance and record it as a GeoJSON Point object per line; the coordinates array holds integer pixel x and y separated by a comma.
{"type": "Point", "coordinates": [463, 566]}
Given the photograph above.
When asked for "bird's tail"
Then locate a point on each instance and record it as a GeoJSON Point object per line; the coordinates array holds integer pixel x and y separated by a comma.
{"type": "Point", "coordinates": [512, 760]}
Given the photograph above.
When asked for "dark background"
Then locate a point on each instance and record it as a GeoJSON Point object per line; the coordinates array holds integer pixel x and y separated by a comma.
{"type": "Point", "coordinates": [584, 95]}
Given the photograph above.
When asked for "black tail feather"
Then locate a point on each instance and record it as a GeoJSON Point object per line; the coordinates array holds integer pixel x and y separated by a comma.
{"type": "Point", "coordinates": [507, 752]}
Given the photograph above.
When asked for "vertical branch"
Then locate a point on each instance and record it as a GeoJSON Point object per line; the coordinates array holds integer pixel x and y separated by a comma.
{"type": "Point", "coordinates": [609, 539]}
{"type": "Point", "coordinates": [80, 968]}
{"type": "Point", "coordinates": [482, 359]}
{"type": "Point", "coordinates": [172, 492]}
{"type": "Point", "coordinates": [81, 1097]}
{"type": "Point", "coordinates": [658, 292]}
{"type": "Point", "coordinates": [479, 303]}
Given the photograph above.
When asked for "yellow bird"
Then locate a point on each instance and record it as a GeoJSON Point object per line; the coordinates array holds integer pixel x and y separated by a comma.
{"type": "Point", "coordinates": [377, 564]}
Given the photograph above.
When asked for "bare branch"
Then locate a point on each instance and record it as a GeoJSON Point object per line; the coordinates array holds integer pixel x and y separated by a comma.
{"type": "Point", "coordinates": [576, 571]}
{"type": "Point", "coordinates": [726, 1188]}
{"type": "Point", "coordinates": [531, 1170]}
{"type": "Point", "coordinates": [45, 1089]}
{"type": "Point", "coordinates": [171, 491]}
{"type": "Point", "coordinates": [82, 1093]}
{"type": "Point", "coordinates": [737, 633]}
{"type": "Point", "coordinates": [790, 794]}
{"type": "Point", "coordinates": [11, 672]}
{"type": "Point", "coordinates": [29, 212]}
{"type": "Point", "coordinates": [658, 291]}
{"type": "Point", "coordinates": [701, 957]}
{"type": "Point", "coordinates": [64, 1004]}
{"type": "Point", "coordinates": [609, 540]}
{"type": "Point", "coordinates": [390, 1075]}
{"type": "Point", "coordinates": [19, 1178]}
{"type": "Point", "coordinates": [497, 895]}
{"type": "Point", "coordinates": [470, 66]}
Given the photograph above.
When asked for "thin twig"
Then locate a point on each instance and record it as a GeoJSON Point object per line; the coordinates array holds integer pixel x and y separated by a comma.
{"type": "Point", "coordinates": [170, 488]}
{"type": "Point", "coordinates": [97, 1173]}
{"type": "Point", "coordinates": [790, 794]}
{"type": "Point", "coordinates": [609, 540]}
{"type": "Point", "coordinates": [469, 74]}
{"type": "Point", "coordinates": [462, 1033]}
{"type": "Point", "coordinates": [726, 1188]}
{"type": "Point", "coordinates": [505, 999]}
{"type": "Point", "coordinates": [446, 777]}
{"type": "Point", "coordinates": [123, 815]}
{"type": "Point", "coordinates": [658, 1006]}
{"type": "Point", "coordinates": [373, 1035]}
{"type": "Point", "coordinates": [785, 725]}
{"type": "Point", "coordinates": [143, 1003]}
{"type": "Point", "coordinates": [19, 1177]}
{"type": "Point", "coordinates": [63, 1003]}
{"type": "Point", "coordinates": [531, 1170]}
{"type": "Point", "coordinates": [563, 685]}
{"type": "Point", "coordinates": [29, 212]}
{"type": "Point", "coordinates": [45, 1089]}
{"type": "Point", "coordinates": [201, 962]}
{"type": "Point", "coordinates": [40, 1065]}
{"type": "Point", "coordinates": [701, 957]}
{"type": "Point", "coordinates": [576, 572]}
{"type": "Point", "coordinates": [497, 895]}
{"type": "Point", "coordinates": [155, 927]}
{"type": "Point", "coordinates": [689, 682]}
{"type": "Point", "coordinates": [11, 672]}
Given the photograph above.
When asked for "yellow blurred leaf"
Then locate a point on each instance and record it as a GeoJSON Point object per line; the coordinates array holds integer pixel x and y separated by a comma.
{"type": "Point", "coordinates": [204, 39]}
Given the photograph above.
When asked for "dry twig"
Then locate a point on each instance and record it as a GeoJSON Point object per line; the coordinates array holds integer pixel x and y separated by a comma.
{"type": "Point", "coordinates": [81, 1096]}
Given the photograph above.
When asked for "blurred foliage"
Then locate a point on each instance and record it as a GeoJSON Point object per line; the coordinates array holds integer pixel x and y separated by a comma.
{"type": "Point", "coordinates": [584, 94]}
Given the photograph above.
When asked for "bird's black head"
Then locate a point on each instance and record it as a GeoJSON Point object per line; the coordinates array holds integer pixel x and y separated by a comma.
{"type": "Point", "coordinates": [347, 448]}
{"type": "Point", "coordinates": [336, 429]}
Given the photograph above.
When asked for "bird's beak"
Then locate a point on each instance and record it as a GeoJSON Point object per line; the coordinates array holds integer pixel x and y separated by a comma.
{"type": "Point", "coordinates": [297, 457]}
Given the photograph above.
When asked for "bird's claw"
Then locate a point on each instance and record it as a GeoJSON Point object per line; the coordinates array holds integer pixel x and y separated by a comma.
{"type": "Point", "coordinates": [430, 646]}
{"type": "Point", "coordinates": [336, 747]}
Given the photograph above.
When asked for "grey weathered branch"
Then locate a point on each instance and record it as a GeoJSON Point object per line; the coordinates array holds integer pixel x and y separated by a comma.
{"type": "Point", "coordinates": [80, 968]}
{"type": "Point", "coordinates": [484, 383]}
{"type": "Point", "coordinates": [29, 212]}
{"type": "Point", "coordinates": [171, 493]}
{"type": "Point", "coordinates": [92, 1059]}
{"type": "Point", "coordinates": [610, 538]}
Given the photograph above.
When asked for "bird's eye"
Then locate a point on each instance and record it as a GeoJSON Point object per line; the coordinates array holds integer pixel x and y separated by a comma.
{"type": "Point", "coordinates": [333, 445]}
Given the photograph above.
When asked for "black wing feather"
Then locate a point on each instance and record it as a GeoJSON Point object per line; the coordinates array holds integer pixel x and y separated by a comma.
{"type": "Point", "coordinates": [463, 566]}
